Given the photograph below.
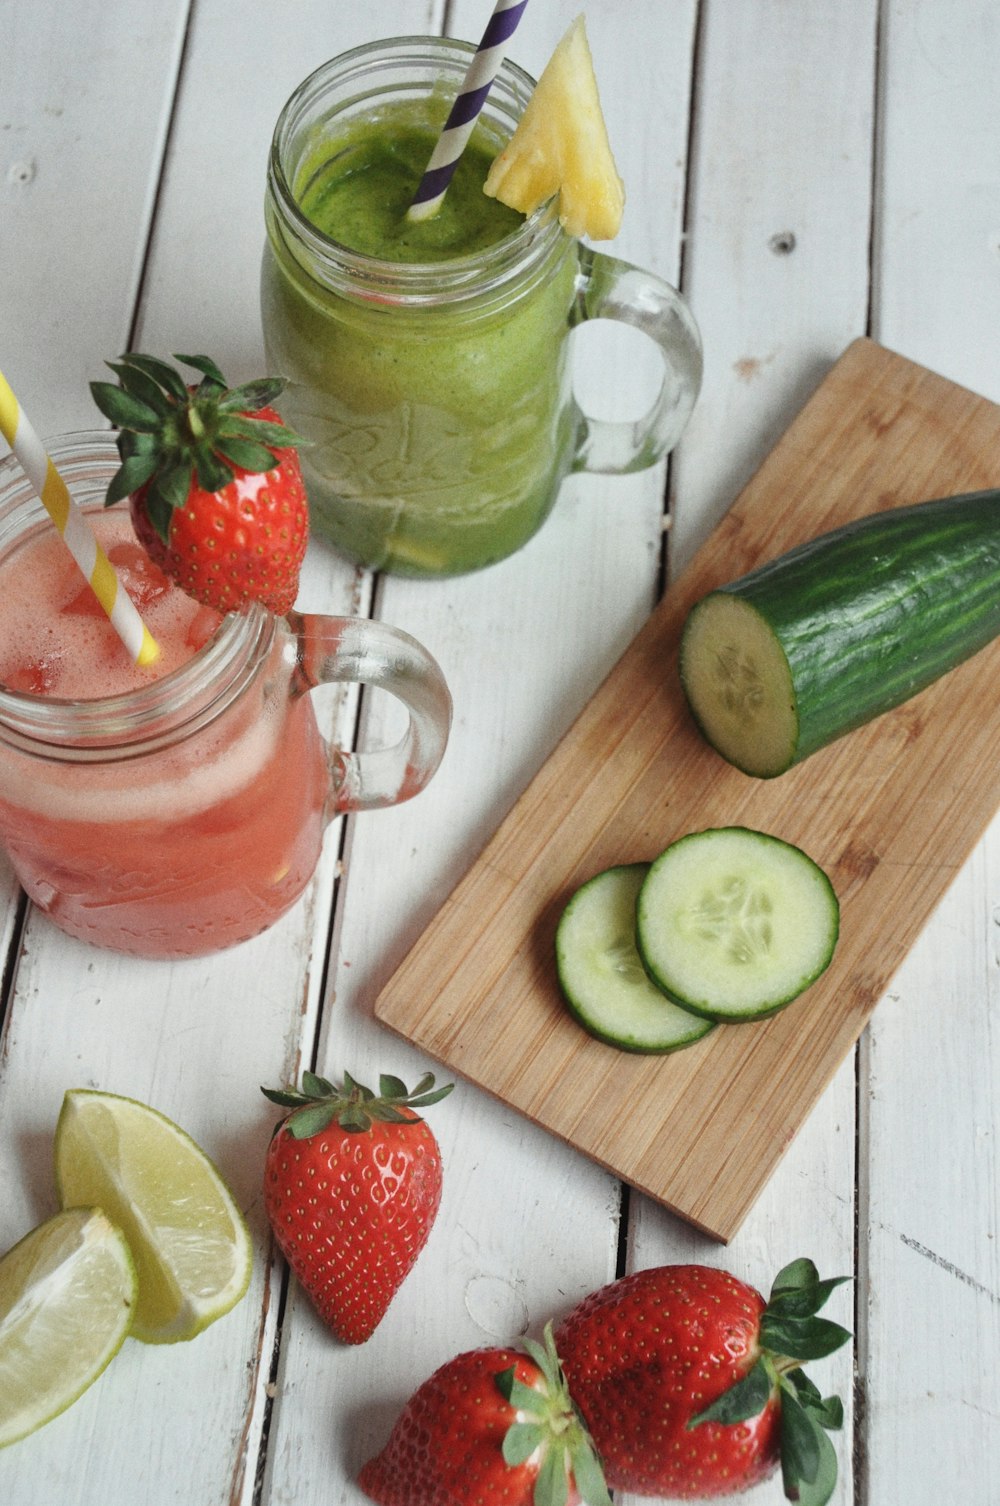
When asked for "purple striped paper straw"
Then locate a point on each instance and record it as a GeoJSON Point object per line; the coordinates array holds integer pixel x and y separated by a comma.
{"type": "Point", "coordinates": [463, 114]}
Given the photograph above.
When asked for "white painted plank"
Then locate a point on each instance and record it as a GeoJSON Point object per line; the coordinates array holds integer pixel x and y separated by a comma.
{"type": "Point", "coordinates": [527, 1225]}
{"type": "Point", "coordinates": [936, 250]}
{"type": "Point", "coordinates": [776, 120]}
{"type": "Point", "coordinates": [776, 264]}
{"type": "Point", "coordinates": [85, 96]}
{"type": "Point", "coordinates": [203, 277]}
{"type": "Point", "coordinates": [931, 1197]}
{"type": "Point", "coordinates": [931, 1321]}
{"type": "Point", "coordinates": [62, 115]}
{"type": "Point", "coordinates": [69, 285]}
{"type": "Point", "coordinates": [60, 101]}
{"type": "Point", "coordinates": [782, 144]}
{"type": "Point", "coordinates": [195, 1040]}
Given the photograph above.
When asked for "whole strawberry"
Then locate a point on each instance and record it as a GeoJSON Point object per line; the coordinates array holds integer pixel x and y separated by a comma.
{"type": "Point", "coordinates": [352, 1184]}
{"type": "Point", "coordinates": [217, 496]}
{"type": "Point", "coordinates": [491, 1425]}
{"type": "Point", "coordinates": [690, 1385]}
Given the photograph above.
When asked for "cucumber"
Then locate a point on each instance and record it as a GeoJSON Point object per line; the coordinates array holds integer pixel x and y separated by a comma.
{"type": "Point", "coordinates": [734, 924]}
{"type": "Point", "coordinates": [836, 632]}
{"type": "Point", "coordinates": [602, 977]}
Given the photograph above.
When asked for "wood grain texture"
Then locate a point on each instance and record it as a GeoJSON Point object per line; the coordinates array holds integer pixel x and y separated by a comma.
{"type": "Point", "coordinates": [891, 813]}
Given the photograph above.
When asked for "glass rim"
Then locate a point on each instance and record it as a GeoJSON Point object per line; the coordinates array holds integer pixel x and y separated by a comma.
{"type": "Point", "coordinates": [133, 722]}
{"type": "Point", "coordinates": [472, 275]}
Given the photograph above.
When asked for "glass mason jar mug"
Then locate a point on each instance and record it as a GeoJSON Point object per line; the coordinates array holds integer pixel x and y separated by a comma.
{"type": "Point", "coordinates": [187, 814]}
{"type": "Point", "coordinates": [436, 395]}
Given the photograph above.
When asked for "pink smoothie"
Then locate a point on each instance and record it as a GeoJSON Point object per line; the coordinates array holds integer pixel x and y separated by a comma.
{"type": "Point", "coordinates": [56, 640]}
{"type": "Point", "coordinates": [184, 850]}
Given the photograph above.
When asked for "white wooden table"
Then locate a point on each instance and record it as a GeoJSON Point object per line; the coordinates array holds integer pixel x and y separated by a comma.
{"type": "Point", "coordinates": [807, 174]}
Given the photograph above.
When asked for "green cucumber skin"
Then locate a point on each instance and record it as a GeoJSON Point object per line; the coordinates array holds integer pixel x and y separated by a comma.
{"type": "Point", "coordinates": [873, 612]}
{"type": "Point", "coordinates": [641, 1048]}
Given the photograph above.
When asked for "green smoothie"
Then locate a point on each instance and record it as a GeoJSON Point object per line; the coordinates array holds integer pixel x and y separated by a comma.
{"type": "Point", "coordinates": [360, 195]}
{"type": "Point", "coordinates": [440, 427]}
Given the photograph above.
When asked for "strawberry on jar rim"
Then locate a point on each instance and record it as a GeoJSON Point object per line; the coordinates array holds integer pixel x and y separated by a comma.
{"type": "Point", "coordinates": [491, 1425]}
{"type": "Point", "coordinates": [215, 487]}
{"type": "Point", "coordinates": [352, 1185]}
{"type": "Point", "coordinates": [690, 1383]}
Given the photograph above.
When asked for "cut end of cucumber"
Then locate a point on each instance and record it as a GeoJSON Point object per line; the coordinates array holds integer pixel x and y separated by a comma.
{"type": "Point", "coordinates": [738, 684]}
{"type": "Point", "coordinates": [735, 924]}
{"type": "Point", "coordinates": [601, 973]}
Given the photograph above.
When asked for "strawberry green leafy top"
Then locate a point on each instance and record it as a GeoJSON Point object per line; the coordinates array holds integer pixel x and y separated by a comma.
{"type": "Point", "coordinates": [353, 1105]}
{"type": "Point", "coordinates": [791, 1332]}
{"type": "Point", "coordinates": [168, 430]}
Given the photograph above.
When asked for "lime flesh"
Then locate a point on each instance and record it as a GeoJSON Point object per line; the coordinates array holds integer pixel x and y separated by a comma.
{"type": "Point", "coordinates": [187, 1235]}
{"type": "Point", "coordinates": [67, 1295]}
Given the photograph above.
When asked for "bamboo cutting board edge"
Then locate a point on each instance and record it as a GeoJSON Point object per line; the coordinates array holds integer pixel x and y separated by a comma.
{"type": "Point", "coordinates": [486, 958]}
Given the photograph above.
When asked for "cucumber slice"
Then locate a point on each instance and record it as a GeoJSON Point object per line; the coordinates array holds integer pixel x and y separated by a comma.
{"type": "Point", "coordinates": [601, 973]}
{"type": "Point", "coordinates": [734, 924]}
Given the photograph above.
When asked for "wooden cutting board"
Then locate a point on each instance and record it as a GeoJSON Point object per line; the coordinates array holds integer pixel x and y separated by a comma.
{"type": "Point", "coordinates": [891, 812]}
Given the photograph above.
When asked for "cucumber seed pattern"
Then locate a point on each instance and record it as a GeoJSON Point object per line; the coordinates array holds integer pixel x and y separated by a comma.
{"type": "Point", "coordinates": [739, 683]}
{"type": "Point", "coordinates": [737, 918]}
{"type": "Point", "coordinates": [623, 960]}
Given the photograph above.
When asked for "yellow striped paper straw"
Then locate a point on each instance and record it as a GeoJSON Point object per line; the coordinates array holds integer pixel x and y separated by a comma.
{"type": "Point", "coordinates": [76, 533]}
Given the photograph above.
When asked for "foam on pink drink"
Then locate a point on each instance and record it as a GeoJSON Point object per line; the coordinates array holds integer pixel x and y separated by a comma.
{"type": "Point", "coordinates": [57, 640]}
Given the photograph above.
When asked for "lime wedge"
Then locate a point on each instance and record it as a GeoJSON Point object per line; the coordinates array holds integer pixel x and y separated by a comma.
{"type": "Point", "coordinates": [67, 1294]}
{"type": "Point", "coordinates": [186, 1233]}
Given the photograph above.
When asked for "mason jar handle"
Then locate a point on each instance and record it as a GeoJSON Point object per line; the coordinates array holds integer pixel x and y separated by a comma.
{"type": "Point", "coordinates": [359, 650]}
{"type": "Point", "coordinates": [612, 289]}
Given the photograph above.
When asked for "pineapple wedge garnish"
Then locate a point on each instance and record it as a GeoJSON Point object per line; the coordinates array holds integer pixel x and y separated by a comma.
{"type": "Point", "coordinates": [560, 146]}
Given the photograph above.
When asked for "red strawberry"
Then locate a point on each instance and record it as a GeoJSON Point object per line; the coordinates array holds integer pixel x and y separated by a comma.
{"type": "Point", "coordinates": [689, 1382]}
{"type": "Point", "coordinates": [351, 1187]}
{"type": "Point", "coordinates": [491, 1425]}
{"type": "Point", "coordinates": [218, 499]}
